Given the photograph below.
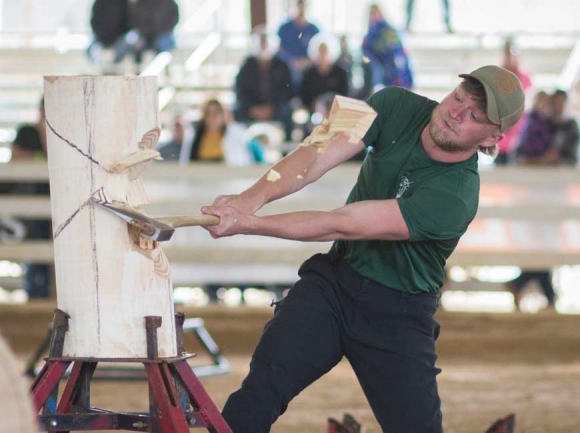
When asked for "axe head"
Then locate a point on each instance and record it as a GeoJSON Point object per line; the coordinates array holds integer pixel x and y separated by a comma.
{"type": "Point", "coordinates": [149, 227]}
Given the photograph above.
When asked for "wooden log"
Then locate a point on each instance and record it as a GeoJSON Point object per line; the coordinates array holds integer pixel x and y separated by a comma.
{"type": "Point", "coordinates": [347, 115]}
{"type": "Point", "coordinates": [101, 133]}
{"type": "Point", "coordinates": [16, 414]}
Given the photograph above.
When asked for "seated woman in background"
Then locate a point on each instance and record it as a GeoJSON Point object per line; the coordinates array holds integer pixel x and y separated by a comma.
{"type": "Point", "coordinates": [216, 138]}
{"type": "Point", "coordinates": [536, 134]}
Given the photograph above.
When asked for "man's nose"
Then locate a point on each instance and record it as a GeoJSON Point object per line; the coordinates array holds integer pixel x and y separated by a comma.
{"type": "Point", "coordinates": [455, 113]}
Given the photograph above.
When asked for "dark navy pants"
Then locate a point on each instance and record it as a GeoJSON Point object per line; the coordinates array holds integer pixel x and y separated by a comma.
{"type": "Point", "coordinates": [387, 336]}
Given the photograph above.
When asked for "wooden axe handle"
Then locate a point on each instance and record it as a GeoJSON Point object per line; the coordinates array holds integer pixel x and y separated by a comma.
{"type": "Point", "coordinates": [189, 220]}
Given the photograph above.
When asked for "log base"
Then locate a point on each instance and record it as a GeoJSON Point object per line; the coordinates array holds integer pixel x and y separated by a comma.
{"type": "Point", "coordinates": [177, 399]}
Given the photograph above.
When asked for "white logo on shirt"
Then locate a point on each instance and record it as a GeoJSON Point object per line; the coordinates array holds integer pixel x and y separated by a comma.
{"type": "Point", "coordinates": [404, 184]}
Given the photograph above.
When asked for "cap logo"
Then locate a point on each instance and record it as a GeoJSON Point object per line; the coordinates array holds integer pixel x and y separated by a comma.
{"type": "Point", "coordinates": [505, 83]}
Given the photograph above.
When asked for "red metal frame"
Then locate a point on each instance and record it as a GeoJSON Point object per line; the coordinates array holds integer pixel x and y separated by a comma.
{"type": "Point", "coordinates": [46, 382]}
{"type": "Point", "coordinates": [177, 399]}
{"type": "Point", "coordinates": [170, 409]}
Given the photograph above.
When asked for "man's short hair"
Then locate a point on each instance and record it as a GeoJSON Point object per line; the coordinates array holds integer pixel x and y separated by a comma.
{"type": "Point", "coordinates": [562, 93]}
{"type": "Point", "coordinates": [476, 91]}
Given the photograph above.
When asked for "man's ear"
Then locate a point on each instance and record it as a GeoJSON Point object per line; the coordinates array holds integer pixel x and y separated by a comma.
{"type": "Point", "coordinates": [492, 140]}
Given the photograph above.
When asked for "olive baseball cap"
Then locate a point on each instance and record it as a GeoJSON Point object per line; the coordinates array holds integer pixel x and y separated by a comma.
{"type": "Point", "coordinates": [504, 92]}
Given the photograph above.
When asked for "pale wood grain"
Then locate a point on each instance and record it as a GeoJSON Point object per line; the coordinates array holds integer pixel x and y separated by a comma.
{"type": "Point", "coordinates": [106, 281]}
{"type": "Point", "coordinates": [189, 220]}
{"type": "Point", "coordinates": [16, 415]}
{"type": "Point", "coordinates": [348, 116]}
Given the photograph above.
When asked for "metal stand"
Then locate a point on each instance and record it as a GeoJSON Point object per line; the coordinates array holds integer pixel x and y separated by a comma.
{"type": "Point", "coordinates": [177, 400]}
{"type": "Point", "coordinates": [195, 325]}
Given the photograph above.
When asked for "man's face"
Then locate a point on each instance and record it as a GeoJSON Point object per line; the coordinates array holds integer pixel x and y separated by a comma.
{"type": "Point", "coordinates": [558, 104]}
{"type": "Point", "coordinates": [301, 8]}
{"type": "Point", "coordinates": [458, 125]}
{"type": "Point", "coordinates": [214, 117]}
{"type": "Point", "coordinates": [323, 53]}
{"type": "Point", "coordinates": [178, 128]}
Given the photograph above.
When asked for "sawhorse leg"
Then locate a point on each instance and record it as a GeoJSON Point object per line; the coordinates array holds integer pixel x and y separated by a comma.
{"type": "Point", "coordinates": [44, 389]}
{"type": "Point", "coordinates": [168, 411]}
{"type": "Point", "coordinates": [200, 397]}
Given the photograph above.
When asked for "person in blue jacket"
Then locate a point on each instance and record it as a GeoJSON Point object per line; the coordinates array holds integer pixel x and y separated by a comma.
{"type": "Point", "coordinates": [385, 60]}
{"type": "Point", "coordinates": [295, 35]}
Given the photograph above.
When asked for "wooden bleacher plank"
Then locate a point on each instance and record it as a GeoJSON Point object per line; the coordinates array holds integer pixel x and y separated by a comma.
{"type": "Point", "coordinates": [246, 257]}
{"type": "Point", "coordinates": [529, 217]}
{"type": "Point", "coordinates": [537, 177]}
{"type": "Point", "coordinates": [513, 193]}
{"type": "Point", "coordinates": [39, 207]}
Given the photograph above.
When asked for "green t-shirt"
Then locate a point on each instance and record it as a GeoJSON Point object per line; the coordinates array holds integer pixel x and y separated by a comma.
{"type": "Point", "coordinates": [438, 200]}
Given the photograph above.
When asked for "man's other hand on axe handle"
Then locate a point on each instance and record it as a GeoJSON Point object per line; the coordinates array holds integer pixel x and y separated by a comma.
{"type": "Point", "coordinates": [300, 168]}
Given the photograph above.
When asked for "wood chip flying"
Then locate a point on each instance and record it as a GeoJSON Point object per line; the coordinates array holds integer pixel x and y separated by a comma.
{"type": "Point", "coordinates": [273, 176]}
{"type": "Point", "coordinates": [347, 115]}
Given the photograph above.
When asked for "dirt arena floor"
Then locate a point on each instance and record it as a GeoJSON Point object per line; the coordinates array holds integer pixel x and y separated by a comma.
{"type": "Point", "coordinates": [493, 364]}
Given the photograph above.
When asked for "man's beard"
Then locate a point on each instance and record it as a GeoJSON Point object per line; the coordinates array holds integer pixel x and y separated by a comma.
{"type": "Point", "coordinates": [444, 143]}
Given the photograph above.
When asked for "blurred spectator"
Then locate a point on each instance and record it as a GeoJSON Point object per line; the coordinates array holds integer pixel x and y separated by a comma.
{"type": "Point", "coordinates": [264, 86]}
{"type": "Point", "coordinates": [30, 144]}
{"type": "Point", "coordinates": [563, 147]}
{"type": "Point", "coordinates": [543, 278]}
{"type": "Point", "coordinates": [511, 138]}
{"type": "Point", "coordinates": [295, 35]}
{"type": "Point", "coordinates": [564, 130]}
{"type": "Point", "coordinates": [563, 150]}
{"type": "Point", "coordinates": [257, 147]}
{"type": "Point", "coordinates": [385, 60]}
{"type": "Point", "coordinates": [446, 15]}
{"type": "Point", "coordinates": [265, 142]}
{"type": "Point", "coordinates": [324, 76]}
{"type": "Point", "coordinates": [346, 61]}
{"type": "Point", "coordinates": [152, 24]}
{"type": "Point", "coordinates": [171, 150]}
{"type": "Point", "coordinates": [536, 135]}
{"type": "Point", "coordinates": [216, 138]}
{"type": "Point", "coordinates": [110, 24]}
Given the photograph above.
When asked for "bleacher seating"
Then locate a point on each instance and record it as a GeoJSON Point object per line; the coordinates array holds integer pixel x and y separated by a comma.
{"type": "Point", "coordinates": [528, 217]}
{"type": "Point", "coordinates": [536, 225]}
{"type": "Point", "coordinates": [437, 60]}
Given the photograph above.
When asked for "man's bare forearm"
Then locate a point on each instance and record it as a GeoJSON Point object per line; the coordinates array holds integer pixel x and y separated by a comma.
{"type": "Point", "coordinates": [361, 220]}
{"type": "Point", "coordinates": [300, 168]}
{"type": "Point", "coordinates": [306, 226]}
{"type": "Point", "coordinates": [289, 175]}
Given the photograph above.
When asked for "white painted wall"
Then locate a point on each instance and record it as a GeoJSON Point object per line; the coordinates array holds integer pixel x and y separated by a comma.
{"type": "Point", "coordinates": [332, 15]}
{"type": "Point", "coordinates": [44, 15]}
{"type": "Point", "coordinates": [478, 16]}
